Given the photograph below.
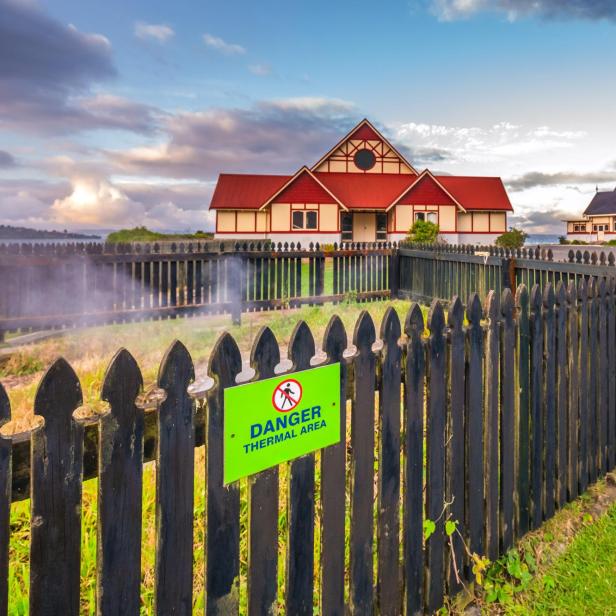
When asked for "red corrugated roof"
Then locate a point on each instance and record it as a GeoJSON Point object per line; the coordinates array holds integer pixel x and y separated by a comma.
{"type": "Point", "coordinates": [356, 190]}
{"type": "Point", "coordinates": [426, 191]}
{"type": "Point", "coordinates": [236, 191]}
{"type": "Point", "coordinates": [366, 190]}
{"type": "Point", "coordinates": [304, 189]}
{"type": "Point", "coordinates": [477, 193]}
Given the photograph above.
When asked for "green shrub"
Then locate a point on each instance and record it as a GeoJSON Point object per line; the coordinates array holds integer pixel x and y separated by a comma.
{"type": "Point", "coordinates": [514, 238]}
{"type": "Point", "coordinates": [423, 232]}
{"type": "Point", "coordinates": [143, 234]}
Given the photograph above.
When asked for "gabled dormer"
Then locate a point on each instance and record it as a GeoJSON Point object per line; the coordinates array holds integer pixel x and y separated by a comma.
{"type": "Point", "coordinates": [364, 150]}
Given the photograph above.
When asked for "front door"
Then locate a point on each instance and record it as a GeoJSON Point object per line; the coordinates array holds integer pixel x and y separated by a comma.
{"type": "Point", "coordinates": [364, 227]}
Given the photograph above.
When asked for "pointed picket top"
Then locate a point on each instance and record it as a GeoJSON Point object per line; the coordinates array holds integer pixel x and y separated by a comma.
{"type": "Point", "coordinates": [334, 339]}
{"type": "Point", "coordinates": [58, 393]}
{"type": "Point", "coordinates": [364, 333]}
{"type": "Point", "coordinates": [225, 362]}
{"type": "Point", "coordinates": [561, 293]}
{"type": "Point", "coordinates": [572, 292]}
{"type": "Point", "coordinates": [176, 364]}
{"type": "Point", "coordinates": [301, 346]}
{"type": "Point", "coordinates": [521, 297]}
{"type": "Point", "coordinates": [583, 289]}
{"type": "Point", "coordinates": [265, 354]}
{"type": "Point", "coordinates": [592, 288]}
{"type": "Point", "coordinates": [536, 300]}
{"type": "Point", "coordinates": [602, 288]}
{"type": "Point", "coordinates": [436, 319]}
{"type": "Point", "coordinates": [507, 306]}
{"type": "Point", "coordinates": [414, 322]}
{"type": "Point", "coordinates": [474, 311]}
{"type": "Point", "coordinates": [122, 382]}
{"type": "Point", "coordinates": [390, 327]}
{"type": "Point", "coordinates": [455, 314]}
{"type": "Point", "coordinates": [492, 307]}
{"type": "Point", "coordinates": [548, 296]}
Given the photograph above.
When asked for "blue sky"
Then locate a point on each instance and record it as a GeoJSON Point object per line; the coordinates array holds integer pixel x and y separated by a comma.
{"type": "Point", "coordinates": [115, 114]}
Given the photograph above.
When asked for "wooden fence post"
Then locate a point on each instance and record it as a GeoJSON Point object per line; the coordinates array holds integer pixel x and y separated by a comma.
{"type": "Point", "coordinates": [414, 381]}
{"type": "Point", "coordinates": [263, 500]}
{"type": "Point", "coordinates": [362, 466]}
{"type": "Point", "coordinates": [388, 522]}
{"type": "Point", "coordinates": [120, 472]}
{"type": "Point", "coordinates": [560, 358]}
{"type": "Point", "coordinates": [222, 532]}
{"type": "Point", "coordinates": [584, 403]}
{"type": "Point", "coordinates": [300, 500]}
{"type": "Point", "coordinates": [572, 392]}
{"type": "Point", "coordinates": [175, 461]}
{"type": "Point", "coordinates": [5, 501]}
{"type": "Point", "coordinates": [55, 484]}
{"type": "Point", "coordinates": [550, 425]}
{"type": "Point", "coordinates": [333, 486]}
{"type": "Point", "coordinates": [394, 273]}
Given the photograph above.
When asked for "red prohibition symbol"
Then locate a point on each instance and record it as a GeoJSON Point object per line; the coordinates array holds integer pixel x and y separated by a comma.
{"type": "Point", "coordinates": [287, 395]}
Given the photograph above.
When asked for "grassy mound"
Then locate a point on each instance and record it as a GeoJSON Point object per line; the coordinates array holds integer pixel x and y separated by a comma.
{"type": "Point", "coordinates": [143, 234]}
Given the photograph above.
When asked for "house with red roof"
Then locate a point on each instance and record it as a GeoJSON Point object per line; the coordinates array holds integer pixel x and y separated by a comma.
{"type": "Point", "coordinates": [362, 190]}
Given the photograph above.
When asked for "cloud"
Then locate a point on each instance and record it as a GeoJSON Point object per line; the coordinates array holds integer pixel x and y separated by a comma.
{"type": "Point", "coordinates": [534, 179]}
{"type": "Point", "coordinates": [47, 72]}
{"type": "Point", "coordinates": [6, 160]}
{"type": "Point", "coordinates": [220, 45]}
{"type": "Point", "coordinates": [273, 136]}
{"type": "Point", "coordinates": [450, 10]}
{"type": "Point", "coordinates": [157, 32]}
{"type": "Point", "coordinates": [260, 70]}
{"type": "Point", "coordinates": [548, 221]}
{"type": "Point", "coordinates": [26, 202]}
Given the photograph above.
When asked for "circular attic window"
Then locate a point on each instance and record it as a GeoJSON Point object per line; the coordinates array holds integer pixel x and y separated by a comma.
{"type": "Point", "coordinates": [364, 159]}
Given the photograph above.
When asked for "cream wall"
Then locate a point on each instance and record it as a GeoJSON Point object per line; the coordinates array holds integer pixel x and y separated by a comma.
{"type": "Point", "coordinates": [225, 221]}
{"type": "Point", "coordinates": [328, 217]}
{"type": "Point", "coordinates": [404, 218]}
{"type": "Point", "coordinates": [465, 221]}
{"type": "Point", "coordinates": [498, 222]}
{"type": "Point", "coordinates": [246, 221]}
{"type": "Point", "coordinates": [447, 218]}
{"type": "Point", "coordinates": [262, 221]}
{"type": "Point", "coordinates": [481, 221]}
{"type": "Point", "coordinates": [341, 160]}
{"type": "Point", "coordinates": [280, 216]}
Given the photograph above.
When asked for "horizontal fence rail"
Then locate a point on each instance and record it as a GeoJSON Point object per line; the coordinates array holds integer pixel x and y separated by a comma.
{"type": "Point", "coordinates": [62, 286]}
{"type": "Point", "coordinates": [492, 415]}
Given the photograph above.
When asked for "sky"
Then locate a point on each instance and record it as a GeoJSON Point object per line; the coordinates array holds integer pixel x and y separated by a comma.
{"type": "Point", "coordinates": [118, 114]}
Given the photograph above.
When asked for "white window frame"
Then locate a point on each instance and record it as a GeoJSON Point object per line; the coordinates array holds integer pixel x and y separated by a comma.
{"type": "Point", "coordinates": [304, 216]}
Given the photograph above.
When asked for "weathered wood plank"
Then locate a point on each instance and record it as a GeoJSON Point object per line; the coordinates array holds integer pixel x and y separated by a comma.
{"type": "Point", "coordinates": [474, 440]}
{"type": "Point", "coordinates": [175, 458]}
{"type": "Point", "coordinates": [263, 500]}
{"type": "Point", "coordinates": [300, 499]}
{"type": "Point", "coordinates": [120, 471]}
{"type": "Point", "coordinates": [388, 522]}
{"type": "Point", "coordinates": [602, 376]}
{"type": "Point", "coordinates": [549, 376]}
{"type": "Point", "coordinates": [333, 484]}
{"type": "Point", "coordinates": [414, 385]}
{"type": "Point", "coordinates": [508, 431]}
{"type": "Point", "coordinates": [572, 392]}
{"type": "Point", "coordinates": [362, 467]}
{"type": "Point", "coordinates": [222, 536]}
{"type": "Point", "coordinates": [584, 404]}
{"type": "Point", "coordinates": [523, 412]}
{"type": "Point", "coordinates": [561, 395]}
{"type": "Point", "coordinates": [593, 381]}
{"type": "Point", "coordinates": [455, 441]}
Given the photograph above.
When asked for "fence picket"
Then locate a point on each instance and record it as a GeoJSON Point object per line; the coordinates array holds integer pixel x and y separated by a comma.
{"type": "Point", "coordinates": [57, 459]}
{"type": "Point", "coordinates": [593, 381]}
{"type": "Point", "coordinates": [5, 501]}
{"type": "Point", "coordinates": [474, 439]}
{"type": "Point", "coordinates": [120, 470]}
{"type": "Point", "coordinates": [550, 425]}
{"type": "Point", "coordinates": [263, 500]}
{"type": "Point", "coordinates": [175, 484]}
{"type": "Point", "coordinates": [572, 392]}
{"type": "Point", "coordinates": [388, 522]}
{"type": "Point", "coordinates": [222, 534]}
{"type": "Point", "coordinates": [414, 384]}
{"type": "Point", "coordinates": [602, 378]}
{"type": "Point", "coordinates": [300, 500]}
{"type": "Point", "coordinates": [455, 440]}
{"type": "Point", "coordinates": [333, 480]}
{"type": "Point", "coordinates": [584, 402]}
{"type": "Point", "coordinates": [362, 466]}
{"type": "Point", "coordinates": [561, 395]}
{"type": "Point", "coordinates": [507, 431]}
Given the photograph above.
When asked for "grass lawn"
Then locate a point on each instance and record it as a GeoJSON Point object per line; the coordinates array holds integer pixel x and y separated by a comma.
{"type": "Point", "coordinates": [89, 351]}
{"type": "Point", "coordinates": [581, 580]}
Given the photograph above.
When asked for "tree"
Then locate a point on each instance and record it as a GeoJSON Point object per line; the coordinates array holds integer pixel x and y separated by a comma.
{"type": "Point", "coordinates": [514, 238]}
{"type": "Point", "coordinates": [423, 232]}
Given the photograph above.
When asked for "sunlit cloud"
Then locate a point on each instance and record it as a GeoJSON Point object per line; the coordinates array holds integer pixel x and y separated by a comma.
{"type": "Point", "coordinates": [157, 32]}
{"type": "Point", "coordinates": [222, 46]}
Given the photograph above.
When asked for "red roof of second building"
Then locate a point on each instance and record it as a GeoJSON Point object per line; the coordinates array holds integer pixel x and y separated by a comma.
{"type": "Point", "coordinates": [357, 190]}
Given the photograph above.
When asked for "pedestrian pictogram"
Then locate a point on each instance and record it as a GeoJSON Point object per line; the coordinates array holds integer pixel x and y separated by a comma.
{"type": "Point", "coordinates": [287, 395]}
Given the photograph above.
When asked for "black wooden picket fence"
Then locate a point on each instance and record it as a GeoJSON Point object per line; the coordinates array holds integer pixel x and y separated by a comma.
{"type": "Point", "coordinates": [509, 409]}
{"type": "Point", "coordinates": [61, 286]}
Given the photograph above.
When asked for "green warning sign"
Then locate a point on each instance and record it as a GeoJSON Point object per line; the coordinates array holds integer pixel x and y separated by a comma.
{"type": "Point", "coordinates": [278, 419]}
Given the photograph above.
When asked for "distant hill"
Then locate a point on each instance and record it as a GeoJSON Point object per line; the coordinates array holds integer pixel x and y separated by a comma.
{"type": "Point", "coordinates": [8, 232]}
